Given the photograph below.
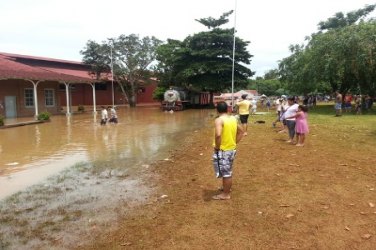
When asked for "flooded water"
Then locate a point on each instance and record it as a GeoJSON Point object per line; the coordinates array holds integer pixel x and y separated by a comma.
{"type": "Point", "coordinates": [29, 154]}
{"type": "Point", "coordinates": [65, 182]}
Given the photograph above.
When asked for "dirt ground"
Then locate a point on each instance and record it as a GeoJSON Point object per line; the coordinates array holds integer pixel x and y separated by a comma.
{"type": "Point", "coordinates": [320, 196]}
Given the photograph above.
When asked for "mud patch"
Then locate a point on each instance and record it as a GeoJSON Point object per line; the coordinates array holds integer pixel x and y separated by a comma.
{"type": "Point", "coordinates": [72, 207]}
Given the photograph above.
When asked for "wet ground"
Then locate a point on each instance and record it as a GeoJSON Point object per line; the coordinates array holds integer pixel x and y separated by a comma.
{"type": "Point", "coordinates": [57, 177]}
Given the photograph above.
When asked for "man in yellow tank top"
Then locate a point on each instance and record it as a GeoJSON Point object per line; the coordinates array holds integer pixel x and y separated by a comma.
{"type": "Point", "coordinates": [227, 134]}
{"type": "Point", "coordinates": [244, 106]}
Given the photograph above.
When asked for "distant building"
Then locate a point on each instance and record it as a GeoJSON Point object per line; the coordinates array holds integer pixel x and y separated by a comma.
{"type": "Point", "coordinates": [30, 85]}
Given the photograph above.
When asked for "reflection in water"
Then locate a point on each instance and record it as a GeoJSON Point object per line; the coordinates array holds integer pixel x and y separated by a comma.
{"type": "Point", "coordinates": [142, 135]}
{"type": "Point", "coordinates": [37, 136]}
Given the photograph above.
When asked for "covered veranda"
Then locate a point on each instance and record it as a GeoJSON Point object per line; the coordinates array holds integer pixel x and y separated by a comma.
{"type": "Point", "coordinates": [16, 76]}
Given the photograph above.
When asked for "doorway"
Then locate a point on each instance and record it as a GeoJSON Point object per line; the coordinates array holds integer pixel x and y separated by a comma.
{"type": "Point", "coordinates": [10, 107]}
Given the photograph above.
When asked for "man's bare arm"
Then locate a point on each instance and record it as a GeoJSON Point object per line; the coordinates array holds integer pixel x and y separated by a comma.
{"type": "Point", "coordinates": [239, 133]}
{"type": "Point", "coordinates": [218, 133]}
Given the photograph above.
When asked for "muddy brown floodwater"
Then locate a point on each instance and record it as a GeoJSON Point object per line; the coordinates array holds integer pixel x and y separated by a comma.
{"type": "Point", "coordinates": [57, 177]}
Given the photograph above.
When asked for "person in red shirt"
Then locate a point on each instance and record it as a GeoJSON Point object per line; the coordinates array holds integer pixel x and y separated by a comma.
{"type": "Point", "coordinates": [348, 100]}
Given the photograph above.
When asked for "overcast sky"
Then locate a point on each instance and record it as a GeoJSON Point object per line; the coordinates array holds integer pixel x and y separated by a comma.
{"type": "Point", "coordinates": [60, 29]}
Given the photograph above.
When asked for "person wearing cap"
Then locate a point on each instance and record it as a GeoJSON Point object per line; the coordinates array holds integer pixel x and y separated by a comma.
{"type": "Point", "coordinates": [243, 110]}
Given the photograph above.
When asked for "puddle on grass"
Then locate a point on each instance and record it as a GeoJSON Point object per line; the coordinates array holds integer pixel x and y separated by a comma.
{"type": "Point", "coordinates": [73, 177]}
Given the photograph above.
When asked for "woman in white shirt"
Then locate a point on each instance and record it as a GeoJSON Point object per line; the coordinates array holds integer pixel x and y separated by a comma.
{"type": "Point", "coordinates": [290, 119]}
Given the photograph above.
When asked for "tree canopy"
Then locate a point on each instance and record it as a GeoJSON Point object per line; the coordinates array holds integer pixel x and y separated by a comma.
{"type": "Point", "coordinates": [340, 56]}
{"type": "Point", "coordinates": [204, 60]}
{"type": "Point", "coordinates": [132, 57]}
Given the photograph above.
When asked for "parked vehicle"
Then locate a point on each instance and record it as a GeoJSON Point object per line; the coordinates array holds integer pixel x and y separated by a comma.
{"type": "Point", "coordinates": [177, 99]}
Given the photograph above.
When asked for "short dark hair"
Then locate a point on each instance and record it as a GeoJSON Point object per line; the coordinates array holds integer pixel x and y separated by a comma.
{"type": "Point", "coordinates": [304, 108]}
{"type": "Point", "coordinates": [222, 107]}
{"type": "Point", "coordinates": [244, 96]}
{"type": "Point", "coordinates": [291, 98]}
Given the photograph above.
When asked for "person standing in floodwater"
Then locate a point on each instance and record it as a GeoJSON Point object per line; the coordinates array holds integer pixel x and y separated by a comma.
{"type": "Point", "coordinates": [227, 134]}
{"type": "Point", "coordinates": [243, 109]}
{"type": "Point", "coordinates": [104, 115]}
{"type": "Point", "coordinates": [113, 115]}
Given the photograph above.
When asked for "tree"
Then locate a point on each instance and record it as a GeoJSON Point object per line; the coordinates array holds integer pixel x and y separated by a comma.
{"type": "Point", "coordinates": [271, 74]}
{"type": "Point", "coordinates": [294, 71]}
{"type": "Point", "coordinates": [131, 56]}
{"type": "Point", "coordinates": [339, 58]}
{"type": "Point", "coordinates": [97, 56]}
{"type": "Point", "coordinates": [269, 84]}
{"type": "Point", "coordinates": [340, 20]}
{"type": "Point", "coordinates": [204, 60]}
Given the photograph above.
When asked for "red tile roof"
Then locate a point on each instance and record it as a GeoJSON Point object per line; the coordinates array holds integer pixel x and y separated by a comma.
{"type": "Point", "coordinates": [12, 68]}
{"type": "Point", "coordinates": [40, 58]}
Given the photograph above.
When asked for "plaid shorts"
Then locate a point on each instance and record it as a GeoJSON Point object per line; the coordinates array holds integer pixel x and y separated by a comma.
{"type": "Point", "coordinates": [222, 162]}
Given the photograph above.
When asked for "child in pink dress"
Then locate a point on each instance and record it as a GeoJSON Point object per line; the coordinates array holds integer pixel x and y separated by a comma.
{"type": "Point", "coordinates": [301, 126]}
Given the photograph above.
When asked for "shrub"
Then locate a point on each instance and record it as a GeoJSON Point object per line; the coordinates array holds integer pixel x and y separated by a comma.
{"type": "Point", "coordinates": [159, 93]}
{"type": "Point", "coordinates": [1, 120]}
{"type": "Point", "coordinates": [44, 116]}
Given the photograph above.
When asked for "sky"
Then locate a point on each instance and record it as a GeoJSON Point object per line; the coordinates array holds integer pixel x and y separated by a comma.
{"type": "Point", "coordinates": [60, 29]}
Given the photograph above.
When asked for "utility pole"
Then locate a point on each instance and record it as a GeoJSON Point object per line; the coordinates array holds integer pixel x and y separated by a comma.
{"type": "Point", "coordinates": [112, 76]}
{"type": "Point", "coordinates": [233, 62]}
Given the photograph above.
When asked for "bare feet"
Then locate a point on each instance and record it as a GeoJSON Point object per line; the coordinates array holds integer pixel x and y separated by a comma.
{"type": "Point", "coordinates": [221, 189]}
{"type": "Point", "coordinates": [221, 197]}
{"type": "Point", "coordinates": [245, 134]}
{"type": "Point", "coordinates": [299, 145]}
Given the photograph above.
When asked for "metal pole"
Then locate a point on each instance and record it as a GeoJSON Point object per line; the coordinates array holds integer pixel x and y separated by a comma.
{"type": "Point", "coordinates": [112, 79]}
{"type": "Point", "coordinates": [233, 62]}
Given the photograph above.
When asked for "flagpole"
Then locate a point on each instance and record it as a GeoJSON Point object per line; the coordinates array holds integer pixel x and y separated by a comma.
{"type": "Point", "coordinates": [233, 62]}
{"type": "Point", "coordinates": [112, 79]}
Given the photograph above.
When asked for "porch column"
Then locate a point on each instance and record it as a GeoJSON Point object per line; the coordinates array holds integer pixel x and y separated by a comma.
{"type": "Point", "coordinates": [35, 85]}
{"type": "Point", "coordinates": [67, 98]}
{"type": "Point", "coordinates": [94, 100]}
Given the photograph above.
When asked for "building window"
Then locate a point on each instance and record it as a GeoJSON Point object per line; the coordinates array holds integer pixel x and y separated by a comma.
{"type": "Point", "coordinates": [62, 87]}
{"type": "Point", "coordinates": [100, 86]}
{"type": "Point", "coordinates": [49, 95]}
{"type": "Point", "coordinates": [29, 98]}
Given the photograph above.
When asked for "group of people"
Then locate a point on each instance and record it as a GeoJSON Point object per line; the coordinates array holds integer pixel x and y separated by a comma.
{"type": "Point", "coordinates": [364, 102]}
{"type": "Point", "coordinates": [105, 117]}
{"type": "Point", "coordinates": [229, 132]}
{"type": "Point", "coordinates": [293, 118]}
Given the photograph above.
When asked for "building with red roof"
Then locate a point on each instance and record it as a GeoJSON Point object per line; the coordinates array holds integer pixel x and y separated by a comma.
{"type": "Point", "coordinates": [30, 85]}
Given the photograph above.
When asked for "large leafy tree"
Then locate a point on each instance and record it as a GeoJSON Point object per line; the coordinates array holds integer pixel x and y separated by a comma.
{"type": "Point", "coordinates": [269, 84]}
{"type": "Point", "coordinates": [97, 55]}
{"type": "Point", "coordinates": [341, 20]}
{"type": "Point", "coordinates": [132, 58]}
{"type": "Point", "coordinates": [203, 61]}
{"type": "Point", "coordinates": [340, 55]}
